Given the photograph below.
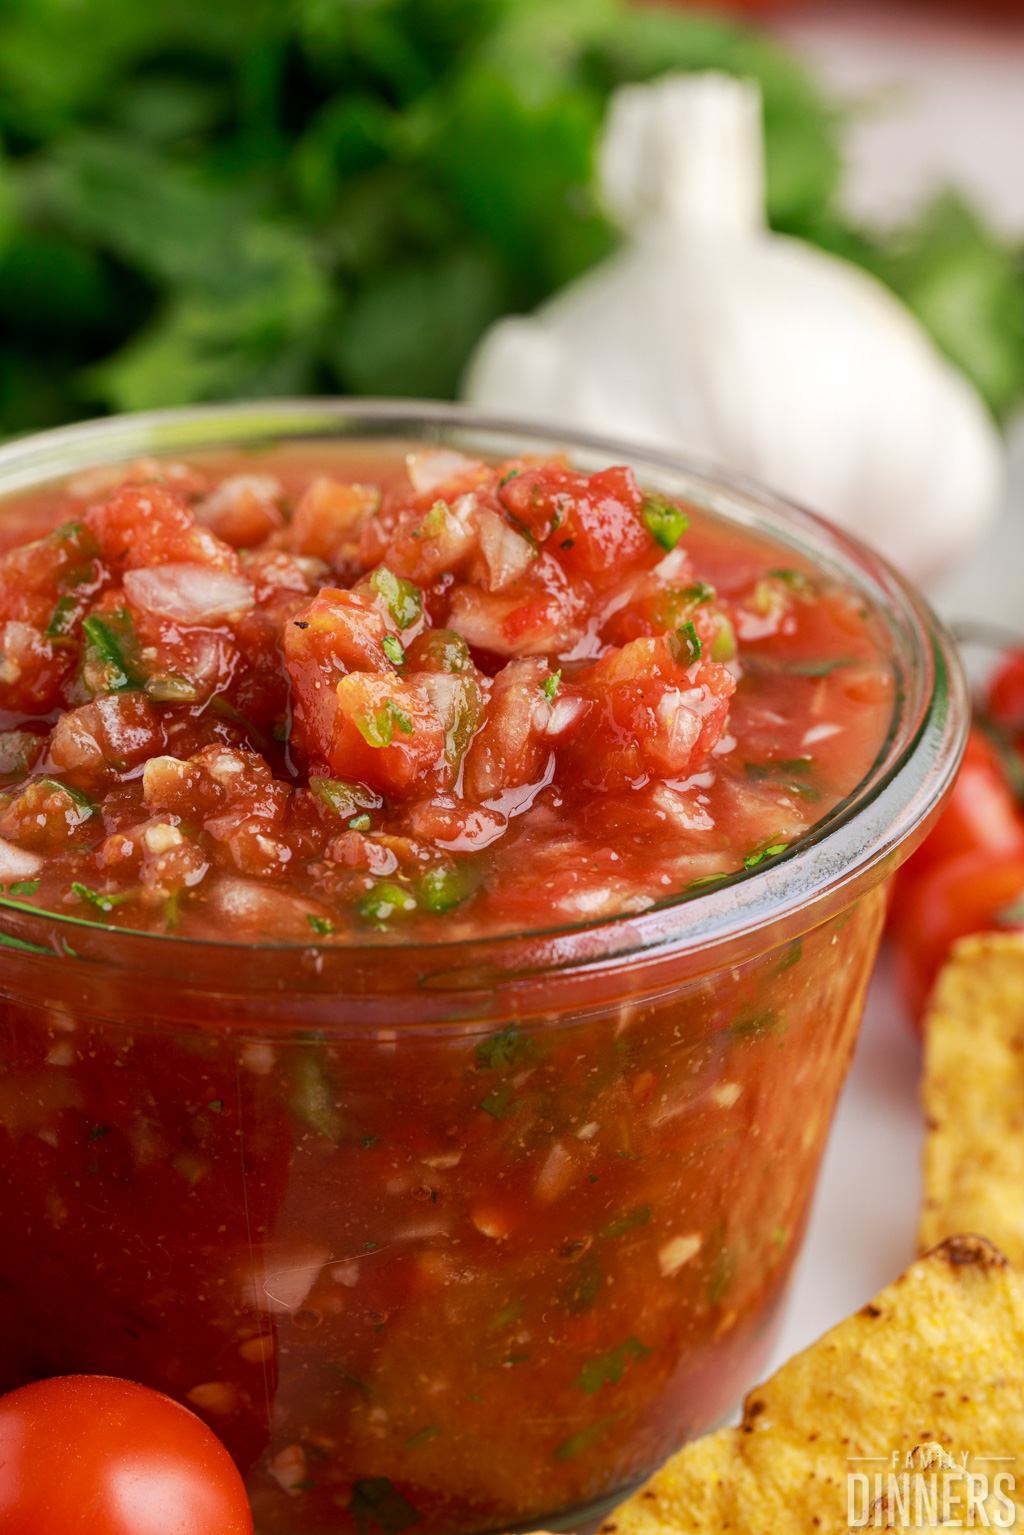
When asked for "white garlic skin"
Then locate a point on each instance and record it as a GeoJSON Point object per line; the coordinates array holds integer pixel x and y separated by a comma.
{"type": "Point", "coordinates": [747, 350]}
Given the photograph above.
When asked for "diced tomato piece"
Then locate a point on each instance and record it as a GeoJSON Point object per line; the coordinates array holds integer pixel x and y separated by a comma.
{"type": "Point", "coordinates": [385, 734]}
{"type": "Point", "coordinates": [653, 717]}
{"type": "Point", "coordinates": [513, 745]}
{"type": "Point", "coordinates": [243, 510]}
{"type": "Point", "coordinates": [148, 525]}
{"type": "Point", "coordinates": [105, 738]}
{"type": "Point", "coordinates": [591, 524]}
{"type": "Point", "coordinates": [328, 519]}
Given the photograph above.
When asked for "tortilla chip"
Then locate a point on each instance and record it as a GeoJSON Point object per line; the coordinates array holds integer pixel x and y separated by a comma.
{"type": "Point", "coordinates": [934, 1364]}
{"type": "Point", "coordinates": [973, 1096]}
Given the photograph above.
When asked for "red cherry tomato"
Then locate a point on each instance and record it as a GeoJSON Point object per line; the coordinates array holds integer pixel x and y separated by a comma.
{"type": "Point", "coordinates": [981, 813]}
{"type": "Point", "coordinates": [955, 898]}
{"type": "Point", "coordinates": [91, 1455]}
{"type": "Point", "coordinates": [970, 868]}
{"type": "Point", "coordinates": [1005, 702]}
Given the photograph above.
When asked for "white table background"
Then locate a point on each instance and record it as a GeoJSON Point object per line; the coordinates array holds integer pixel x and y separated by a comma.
{"type": "Point", "coordinates": [937, 105]}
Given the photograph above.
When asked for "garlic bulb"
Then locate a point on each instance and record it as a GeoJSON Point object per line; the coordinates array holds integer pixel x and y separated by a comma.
{"type": "Point", "coordinates": [708, 334]}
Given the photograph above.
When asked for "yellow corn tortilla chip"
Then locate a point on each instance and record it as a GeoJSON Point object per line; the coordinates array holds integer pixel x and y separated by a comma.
{"type": "Point", "coordinates": [973, 1094]}
{"type": "Point", "coordinates": [934, 1364]}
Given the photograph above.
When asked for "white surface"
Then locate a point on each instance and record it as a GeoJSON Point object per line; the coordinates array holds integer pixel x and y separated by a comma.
{"type": "Point", "coordinates": [934, 103]}
{"type": "Point", "coordinates": [865, 1212]}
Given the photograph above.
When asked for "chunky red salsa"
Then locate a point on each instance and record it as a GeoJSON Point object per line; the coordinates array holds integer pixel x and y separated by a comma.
{"type": "Point", "coordinates": [440, 1259]}
{"type": "Point", "coordinates": [438, 698]}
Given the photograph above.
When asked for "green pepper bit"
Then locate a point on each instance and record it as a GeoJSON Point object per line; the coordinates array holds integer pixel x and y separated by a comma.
{"type": "Point", "coordinates": [665, 521]}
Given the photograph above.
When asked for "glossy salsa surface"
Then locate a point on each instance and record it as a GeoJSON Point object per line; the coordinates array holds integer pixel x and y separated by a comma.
{"type": "Point", "coordinates": [499, 1261]}
{"type": "Point", "coordinates": [408, 698]}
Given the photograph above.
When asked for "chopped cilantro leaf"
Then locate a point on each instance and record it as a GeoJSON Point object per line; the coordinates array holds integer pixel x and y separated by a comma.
{"type": "Point", "coordinates": [216, 1106]}
{"type": "Point", "coordinates": [796, 581]}
{"type": "Point", "coordinates": [375, 1502]}
{"type": "Point", "coordinates": [500, 1104]}
{"type": "Point", "coordinates": [549, 687]}
{"type": "Point", "coordinates": [24, 887]}
{"type": "Point", "coordinates": [96, 898]}
{"type": "Point", "coordinates": [105, 664]}
{"type": "Point", "coordinates": [62, 619]}
{"type": "Point", "coordinates": [773, 849]}
{"type": "Point", "coordinates": [818, 668]}
{"type": "Point", "coordinates": [321, 925]}
{"type": "Point", "coordinates": [685, 644]}
{"type": "Point", "coordinates": [665, 521]}
{"type": "Point", "coordinates": [706, 879]}
{"type": "Point", "coordinates": [97, 1132]}
{"type": "Point", "coordinates": [608, 1369]}
{"type": "Point", "coordinates": [586, 1438]}
{"type": "Point", "coordinates": [722, 1276]}
{"type": "Point", "coordinates": [628, 1222]}
{"type": "Point", "coordinates": [423, 1436]}
{"type": "Point", "coordinates": [509, 1048]}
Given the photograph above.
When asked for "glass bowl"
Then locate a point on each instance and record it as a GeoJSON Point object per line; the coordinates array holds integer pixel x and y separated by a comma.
{"type": "Point", "coordinates": [459, 1236]}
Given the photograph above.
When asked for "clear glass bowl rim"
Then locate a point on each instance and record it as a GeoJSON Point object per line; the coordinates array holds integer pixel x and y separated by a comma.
{"type": "Point", "coordinates": [854, 847]}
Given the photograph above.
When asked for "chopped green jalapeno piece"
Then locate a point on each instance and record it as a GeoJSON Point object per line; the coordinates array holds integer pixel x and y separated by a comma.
{"type": "Point", "coordinates": [665, 521]}
{"type": "Point", "coordinates": [442, 889]}
{"type": "Point", "coordinates": [440, 650]}
{"type": "Point", "coordinates": [172, 690]}
{"type": "Point", "coordinates": [313, 1099]}
{"type": "Point", "coordinates": [377, 726]}
{"type": "Point", "coordinates": [403, 599]}
{"type": "Point", "coordinates": [345, 797]}
{"type": "Point", "coordinates": [361, 822]}
{"type": "Point", "coordinates": [387, 900]}
{"type": "Point", "coordinates": [392, 648]}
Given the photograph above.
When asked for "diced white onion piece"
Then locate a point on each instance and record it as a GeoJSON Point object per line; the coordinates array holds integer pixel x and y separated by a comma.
{"type": "Point", "coordinates": [564, 714]}
{"type": "Point", "coordinates": [677, 1251]}
{"type": "Point", "coordinates": [190, 594]}
{"type": "Point", "coordinates": [283, 1287]}
{"type": "Point", "coordinates": [16, 863]}
{"type": "Point", "coordinates": [673, 565]}
{"type": "Point", "coordinates": [506, 553]}
{"type": "Point", "coordinates": [261, 487]}
{"type": "Point", "coordinates": [436, 467]}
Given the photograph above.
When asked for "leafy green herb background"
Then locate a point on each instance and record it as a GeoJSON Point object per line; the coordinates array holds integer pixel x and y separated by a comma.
{"type": "Point", "coordinates": [203, 199]}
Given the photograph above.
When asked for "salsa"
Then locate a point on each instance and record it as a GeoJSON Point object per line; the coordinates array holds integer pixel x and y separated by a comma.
{"type": "Point", "coordinates": [450, 1256]}
{"type": "Point", "coordinates": [441, 700]}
